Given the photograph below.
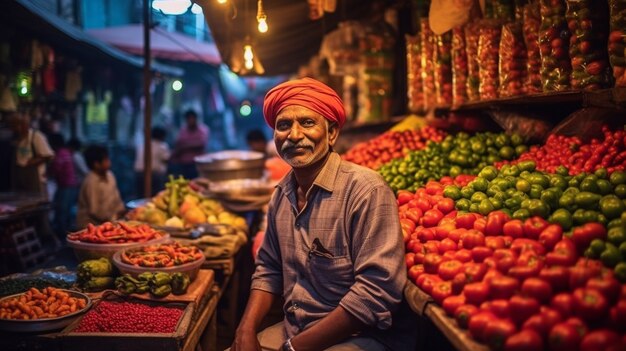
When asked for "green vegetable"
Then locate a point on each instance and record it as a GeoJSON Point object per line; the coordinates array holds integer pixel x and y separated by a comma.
{"type": "Point", "coordinates": [160, 279]}
{"type": "Point", "coordinates": [180, 283]}
{"type": "Point", "coordinates": [161, 291]}
{"type": "Point", "coordinates": [98, 283]}
{"type": "Point", "coordinates": [94, 268]}
{"type": "Point", "coordinates": [146, 276]}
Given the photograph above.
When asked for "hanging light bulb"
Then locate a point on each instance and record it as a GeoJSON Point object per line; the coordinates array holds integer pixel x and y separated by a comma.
{"type": "Point", "coordinates": [222, 2]}
{"type": "Point", "coordinates": [247, 52]}
{"type": "Point", "coordinates": [261, 17]}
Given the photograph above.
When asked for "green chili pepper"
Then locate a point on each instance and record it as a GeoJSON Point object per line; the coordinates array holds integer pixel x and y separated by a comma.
{"type": "Point", "coordinates": [160, 279]}
{"type": "Point", "coordinates": [161, 291]}
{"type": "Point", "coordinates": [146, 276]}
{"type": "Point", "coordinates": [180, 283]}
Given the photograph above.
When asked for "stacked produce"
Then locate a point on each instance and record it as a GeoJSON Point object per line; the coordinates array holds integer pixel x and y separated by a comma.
{"type": "Point", "coordinates": [180, 206]}
{"type": "Point", "coordinates": [40, 304]}
{"type": "Point", "coordinates": [617, 41]}
{"type": "Point", "coordinates": [503, 9]}
{"type": "Point", "coordinates": [123, 317]}
{"type": "Point", "coordinates": [513, 284]}
{"type": "Point", "coordinates": [588, 23]}
{"type": "Point", "coordinates": [459, 154]}
{"type": "Point", "coordinates": [570, 152]}
{"type": "Point", "coordinates": [391, 145]}
{"type": "Point", "coordinates": [488, 59]}
{"type": "Point", "coordinates": [95, 275]}
{"type": "Point", "coordinates": [161, 255]}
{"type": "Point", "coordinates": [471, 49]}
{"type": "Point", "coordinates": [415, 90]}
{"type": "Point", "coordinates": [116, 233]}
{"type": "Point", "coordinates": [159, 284]}
{"type": "Point", "coordinates": [531, 24]}
{"type": "Point", "coordinates": [20, 282]}
{"type": "Point", "coordinates": [427, 40]}
{"type": "Point", "coordinates": [513, 61]}
{"type": "Point", "coordinates": [459, 67]}
{"type": "Point", "coordinates": [443, 69]}
{"type": "Point", "coordinates": [554, 39]}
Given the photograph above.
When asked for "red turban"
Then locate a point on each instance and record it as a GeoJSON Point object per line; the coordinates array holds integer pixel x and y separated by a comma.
{"type": "Point", "coordinates": [305, 92]}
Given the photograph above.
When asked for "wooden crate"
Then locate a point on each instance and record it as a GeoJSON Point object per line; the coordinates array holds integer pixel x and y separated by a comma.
{"type": "Point", "coordinates": [71, 341]}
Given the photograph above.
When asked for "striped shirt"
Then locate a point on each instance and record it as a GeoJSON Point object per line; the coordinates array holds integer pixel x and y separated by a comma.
{"type": "Point", "coordinates": [344, 248]}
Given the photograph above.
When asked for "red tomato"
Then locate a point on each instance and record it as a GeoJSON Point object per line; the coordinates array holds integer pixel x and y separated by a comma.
{"type": "Point", "coordinates": [582, 236]}
{"type": "Point", "coordinates": [445, 205]}
{"type": "Point", "coordinates": [563, 254]}
{"type": "Point", "coordinates": [463, 255]}
{"type": "Point", "coordinates": [478, 323]}
{"type": "Point", "coordinates": [503, 287]}
{"type": "Point", "coordinates": [443, 229]}
{"type": "Point", "coordinates": [534, 226]}
{"type": "Point", "coordinates": [563, 303]}
{"type": "Point", "coordinates": [440, 291]}
{"type": "Point", "coordinates": [538, 323]}
{"type": "Point", "coordinates": [427, 282]}
{"type": "Point", "coordinates": [447, 245]}
{"type": "Point", "coordinates": [431, 246]}
{"type": "Point", "coordinates": [431, 218]}
{"type": "Point", "coordinates": [600, 339]}
{"type": "Point", "coordinates": [458, 282]}
{"type": "Point", "coordinates": [409, 259]}
{"type": "Point", "coordinates": [415, 271]}
{"type": "Point", "coordinates": [455, 235]}
{"type": "Point", "coordinates": [495, 242]}
{"type": "Point", "coordinates": [452, 303]}
{"type": "Point", "coordinates": [475, 272]}
{"type": "Point", "coordinates": [471, 239]}
{"type": "Point", "coordinates": [608, 286]}
{"type": "Point", "coordinates": [432, 262]}
{"type": "Point", "coordinates": [523, 308]}
{"type": "Point", "coordinates": [513, 228]}
{"type": "Point", "coordinates": [578, 323]}
{"type": "Point", "coordinates": [479, 253]}
{"type": "Point", "coordinates": [407, 225]}
{"type": "Point", "coordinates": [480, 224]}
{"type": "Point", "coordinates": [414, 214]}
{"type": "Point", "coordinates": [551, 315]}
{"type": "Point", "coordinates": [618, 314]}
{"type": "Point", "coordinates": [476, 293]}
{"type": "Point", "coordinates": [537, 288]}
{"type": "Point", "coordinates": [494, 224]}
{"type": "Point", "coordinates": [551, 235]}
{"type": "Point", "coordinates": [563, 336]}
{"type": "Point", "coordinates": [557, 277]}
{"type": "Point", "coordinates": [525, 340]}
{"type": "Point", "coordinates": [590, 304]}
{"type": "Point", "coordinates": [447, 270]}
{"type": "Point", "coordinates": [580, 275]}
{"type": "Point", "coordinates": [404, 197]}
{"type": "Point", "coordinates": [497, 332]}
{"type": "Point", "coordinates": [522, 245]}
{"type": "Point", "coordinates": [501, 308]}
{"type": "Point", "coordinates": [463, 314]}
{"type": "Point", "coordinates": [466, 221]}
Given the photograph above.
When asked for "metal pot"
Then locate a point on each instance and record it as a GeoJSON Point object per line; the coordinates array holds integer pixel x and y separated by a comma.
{"type": "Point", "coordinates": [231, 164]}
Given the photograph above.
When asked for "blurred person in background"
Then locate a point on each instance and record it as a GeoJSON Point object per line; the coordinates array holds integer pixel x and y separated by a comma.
{"type": "Point", "coordinates": [80, 166]}
{"type": "Point", "coordinates": [191, 142]}
{"type": "Point", "coordinates": [32, 152]}
{"type": "Point", "coordinates": [257, 141]}
{"type": "Point", "coordinates": [99, 199]}
{"type": "Point", "coordinates": [160, 155]}
{"type": "Point", "coordinates": [63, 173]}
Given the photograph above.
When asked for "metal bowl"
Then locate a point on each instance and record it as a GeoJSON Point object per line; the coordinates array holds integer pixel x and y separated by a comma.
{"type": "Point", "coordinates": [230, 164]}
{"type": "Point", "coordinates": [44, 324]}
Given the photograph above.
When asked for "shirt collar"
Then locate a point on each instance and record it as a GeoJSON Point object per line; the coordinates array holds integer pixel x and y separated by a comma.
{"type": "Point", "coordinates": [325, 179]}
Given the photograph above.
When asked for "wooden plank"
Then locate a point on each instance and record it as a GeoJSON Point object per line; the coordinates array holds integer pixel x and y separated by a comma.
{"type": "Point", "coordinates": [459, 338]}
{"type": "Point", "coordinates": [225, 265]}
{"type": "Point", "coordinates": [416, 298]}
{"type": "Point", "coordinates": [200, 325]}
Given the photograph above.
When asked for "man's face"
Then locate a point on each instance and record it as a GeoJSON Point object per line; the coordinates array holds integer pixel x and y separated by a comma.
{"type": "Point", "coordinates": [192, 121]}
{"type": "Point", "coordinates": [302, 136]}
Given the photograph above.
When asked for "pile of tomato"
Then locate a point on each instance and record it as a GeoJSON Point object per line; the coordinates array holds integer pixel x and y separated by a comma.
{"type": "Point", "coordinates": [515, 284]}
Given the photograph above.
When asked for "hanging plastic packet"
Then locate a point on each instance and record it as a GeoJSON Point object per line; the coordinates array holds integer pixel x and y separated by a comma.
{"type": "Point", "coordinates": [554, 39]}
{"type": "Point", "coordinates": [531, 24]}
{"type": "Point", "coordinates": [617, 41]}
{"type": "Point", "coordinates": [488, 58]}
{"type": "Point", "coordinates": [459, 67]}
{"type": "Point", "coordinates": [513, 60]}
{"type": "Point", "coordinates": [427, 40]}
{"type": "Point", "coordinates": [415, 89]}
{"type": "Point", "coordinates": [471, 50]}
{"type": "Point", "coordinates": [587, 21]}
{"type": "Point", "coordinates": [443, 69]}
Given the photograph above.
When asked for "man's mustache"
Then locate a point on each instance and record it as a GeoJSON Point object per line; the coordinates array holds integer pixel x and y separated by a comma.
{"type": "Point", "coordinates": [288, 145]}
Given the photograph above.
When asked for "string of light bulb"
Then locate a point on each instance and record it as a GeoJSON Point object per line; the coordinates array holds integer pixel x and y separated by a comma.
{"type": "Point", "coordinates": [261, 17]}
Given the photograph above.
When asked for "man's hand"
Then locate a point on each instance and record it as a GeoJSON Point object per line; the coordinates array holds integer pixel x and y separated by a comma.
{"type": "Point", "coordinates": [245, 340]}
{"type": "Point", "coordinates": [330, 330]}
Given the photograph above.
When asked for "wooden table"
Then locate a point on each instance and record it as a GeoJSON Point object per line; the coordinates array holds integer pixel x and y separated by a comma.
{"type": "Point", "coordinates": [422, 304]}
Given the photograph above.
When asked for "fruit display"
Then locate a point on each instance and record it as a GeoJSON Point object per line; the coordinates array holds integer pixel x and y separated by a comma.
{"type": "Point", "coordinates": [116, 233]}
{"type": "Point", "coordinates": [513, 61]}
{"type": "Point", "coordinates": [415, 90]}
{"type": "Point", "coordinates": [459, 67]}
{"type": "Point", "coordinates": [458, 154]}
{"type": "Point", "coordinates": [560, 151]}
{"type": "Point", "coordinates": [443, 69]}
{"type": "Point", "coordinates": [531, 24]}
{"type": "Point", "coordinates": [617, 41]}
{"type": "Point", "coordinates": [129, 317]}
{"type": "Point", "coordinates": [42, 304]}
{"type": "Point", "coordinates": [488, 59]}
{"type": "Point", "coordinates": [427, 41]}
{"type": "Point", "coordinates": [181, 206]}
{"type": "Point", "coordinates": [471, 50]}
{"type": "Point", "coordinates": [554, 38]}
{"type": "Point", "coordinates": [158, 284]}
{"type": "Point", "coordinates": [95, 275]}
{"type": "Point", "coordinates": [588, 23]}
{"type": "Point", "coordinates": [162, 255]}
{"type": "Point", "coordinates": [391, 145]}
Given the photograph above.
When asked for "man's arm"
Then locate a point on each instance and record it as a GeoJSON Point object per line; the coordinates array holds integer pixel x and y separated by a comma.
{"type": "Point", "coordinates": [42, 150]}
{"type": "Point", "coordinates": [259, 305]}
{"type": "Point", "coordinates": [330, 330]}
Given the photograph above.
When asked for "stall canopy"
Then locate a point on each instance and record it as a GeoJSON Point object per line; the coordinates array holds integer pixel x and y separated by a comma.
{"type": "Point", "coordinates": [292, 38]}
{"type": "Point", "coordinates": [163, 44]}
{"type": "Point", "coordinates": [28, 17]}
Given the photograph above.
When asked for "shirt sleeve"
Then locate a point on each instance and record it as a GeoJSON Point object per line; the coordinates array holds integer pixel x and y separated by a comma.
{"type": "Point", "coordinates": [377, 253]}
{"type": "Point", "coordinates": [268, 274]}
{"type": "Point", "coordinates": [79, 161]}
{"type": "Point", "coordinates": [118, 204]}
{"type": "Point", "coordinates": [42, 148]}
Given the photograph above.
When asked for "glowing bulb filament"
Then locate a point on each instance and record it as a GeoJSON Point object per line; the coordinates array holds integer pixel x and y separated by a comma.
{"type": "Point", "coordinates": [222, 2]}
{"type": "Point", "coordinates": [247, 52]}
{"type": "Point", "coordinates": [263, 24]}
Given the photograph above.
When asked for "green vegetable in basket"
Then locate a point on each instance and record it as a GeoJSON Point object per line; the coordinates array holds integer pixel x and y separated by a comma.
{"type": "Point", "coordinates": [180, 283]}
{"type": "Point", "coordinates": [142, 287]}
{"type": "Point", "coordinates": [98, 283]}
{"type": "Point", "coordinates": [145, 276]}
{"type": "Point", "coordinates": [94, 268]}
{"type": "Point", "coordinates": [126, 284]}
{"type": "Point", "coordinates": [160, 279]}
{"type": "Point", "coordinates": [161, 291]}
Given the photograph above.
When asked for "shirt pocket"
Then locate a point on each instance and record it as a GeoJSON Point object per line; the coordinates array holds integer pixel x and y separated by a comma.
{"type": "Point", "coordinates": [331, 277]}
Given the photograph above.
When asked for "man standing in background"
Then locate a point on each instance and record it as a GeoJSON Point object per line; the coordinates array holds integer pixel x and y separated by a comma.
{"type": "Point", "coordinates": [191, 142]}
